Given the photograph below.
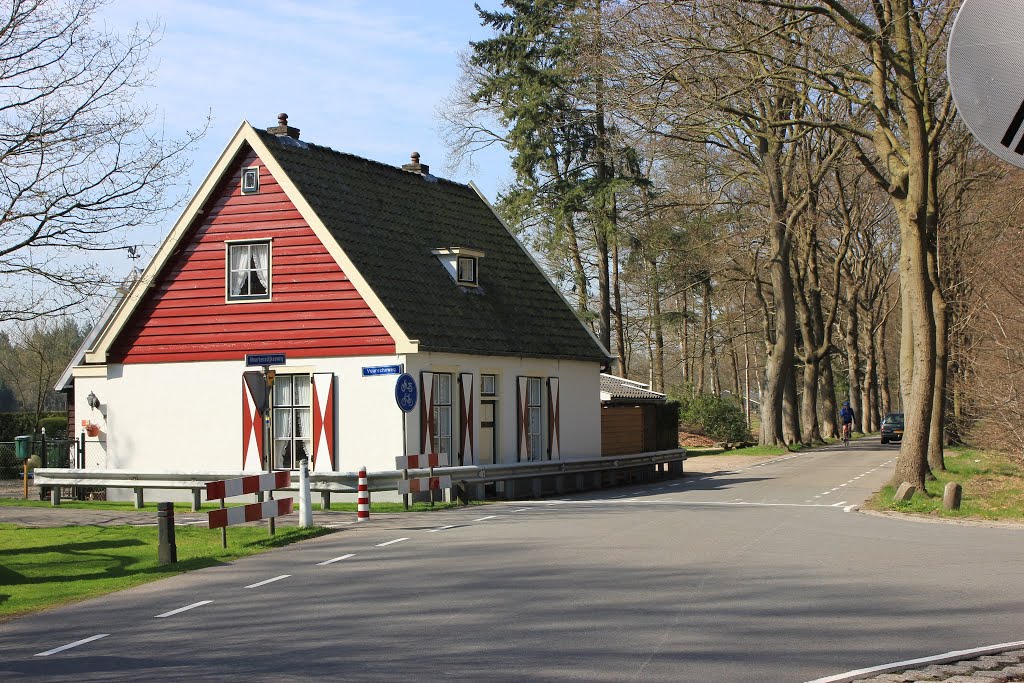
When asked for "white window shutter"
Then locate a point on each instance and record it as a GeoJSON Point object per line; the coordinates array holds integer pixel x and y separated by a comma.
{"type": "Point", "coordinates": [554, 447]}
{"type": "Point", "coordinates": [523, 416]}
{"type": "Point", "coordinates": [426, 412]}
{"type": "Point", "coordinates": [324, 442]}
{"type": "Point", "coordinates": [467, 451]}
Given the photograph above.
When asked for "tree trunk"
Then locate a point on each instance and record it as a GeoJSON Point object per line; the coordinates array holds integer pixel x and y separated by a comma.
{"type": "Point", "coordinates": [869, 396]}
{"type": "Point", "coordinates": [779, 365]}
{"type": "Point", "coordinates": [829, 428]}
{"type": "Point", "coordinates": [912, 464]}
{"type": "Point", "coordinates": [884, 397]}
{"type": "Point", "coordinates": [936, 432]}
{"type": "Point", "coordinates": [658, 355]}
{"type": "Point", "coordinates": [809, 403]}
{"type": "Point", "coordinates": [853, 360]}
{"type": "Point", "coordinates": [620, 331]}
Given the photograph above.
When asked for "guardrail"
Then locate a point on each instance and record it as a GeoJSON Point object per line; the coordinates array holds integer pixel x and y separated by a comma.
{"type": "Point", "coordinates": [557, 476]}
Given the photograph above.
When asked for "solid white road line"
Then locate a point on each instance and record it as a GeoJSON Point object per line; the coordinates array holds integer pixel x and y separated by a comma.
{"type": "Point", "coordinates": [335, 559]}
{"type": "Point", "coordinates": [397, 540]}
{"type": "Point", "coordinates": [183, 609]}
{"type": "Point", "coordinates": [83, 641]}
{"type": "Point", "coordinates": [264, 583]}
{"type": "Point", "coordinates": [441, 528]}
{"type": "Point", "coordinates": [842, 502]}
{"type": "Point", "coordinates": [952, 656]}
{"type": "Point", "coordinates": [484, 519]}
{"type": "Point", "coordinates": [521, 510]}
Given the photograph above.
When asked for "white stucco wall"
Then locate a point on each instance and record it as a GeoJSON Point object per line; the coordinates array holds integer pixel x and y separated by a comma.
{"type": "Point", "coordinates": [184, 417]}
{"type": "Point", "coordinates": [579, 403]}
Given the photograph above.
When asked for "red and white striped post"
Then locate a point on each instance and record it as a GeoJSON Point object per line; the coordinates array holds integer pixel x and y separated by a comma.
{"type": "Point", "coordinates": [363, 498]}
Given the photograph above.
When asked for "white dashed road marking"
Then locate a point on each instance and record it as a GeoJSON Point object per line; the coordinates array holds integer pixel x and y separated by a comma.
{"type": "Point", "coordinates": [264, 583]}
{"type": "Point", "coordinates": [482, 519]}
{"type": "Point", "coordinates": [441, 528]}
{"type": "Point", "coordinates": [83, 641]}
{"type": "Point", "coordinates": [183, 609]}
{"type": "Point", "coordinates": [335, 559]}
{"type": "Point", "coordinates": [397, 540]}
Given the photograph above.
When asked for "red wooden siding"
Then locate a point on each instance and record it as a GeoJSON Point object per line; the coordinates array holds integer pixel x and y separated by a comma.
{"type": "Point", "coordinates": [314, 310]}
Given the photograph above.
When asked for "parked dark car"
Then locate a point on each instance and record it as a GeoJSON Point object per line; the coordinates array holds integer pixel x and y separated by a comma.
{"type": "Point", "coordinates": [892, 427]}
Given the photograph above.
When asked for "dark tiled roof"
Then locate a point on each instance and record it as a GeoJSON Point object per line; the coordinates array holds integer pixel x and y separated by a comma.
{"type": "Point", "coordinates": [388, 221]}
{"type": "Point", "coordinates": [621, 389]}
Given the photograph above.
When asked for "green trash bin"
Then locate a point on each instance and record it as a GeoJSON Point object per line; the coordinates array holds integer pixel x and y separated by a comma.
{"type": "Point", "coordinates": [22, 447]}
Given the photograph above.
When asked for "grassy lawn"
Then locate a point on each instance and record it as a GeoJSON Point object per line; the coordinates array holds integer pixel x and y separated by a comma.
{"type": "Point", "coordinates": [993, 488]}
{"type": "Point", "coordinates": [42, 568]}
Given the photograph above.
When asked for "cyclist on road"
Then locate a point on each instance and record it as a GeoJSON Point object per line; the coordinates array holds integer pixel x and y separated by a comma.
{"type": "Point", "coordinates": [847, 416]}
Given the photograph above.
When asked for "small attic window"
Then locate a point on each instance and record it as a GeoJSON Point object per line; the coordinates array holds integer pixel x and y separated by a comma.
{"type": "Point", "coordinates": [467, 270]}
{"type": "Point", "coordinates": [462, 264]}
{"type": "Point", "coordinates": [251, 180]}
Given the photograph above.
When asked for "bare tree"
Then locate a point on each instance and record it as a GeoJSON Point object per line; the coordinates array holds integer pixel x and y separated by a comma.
{"type": "Point", "coordinates": [80, 163]}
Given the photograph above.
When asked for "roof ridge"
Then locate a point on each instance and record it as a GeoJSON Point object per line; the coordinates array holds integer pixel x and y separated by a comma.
{"type": "Point", "coordinates": [349, 155]}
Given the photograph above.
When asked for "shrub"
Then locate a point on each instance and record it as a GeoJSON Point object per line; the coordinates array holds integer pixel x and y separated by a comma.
{"type": "Point", "coordinates": [56, 426]}
{"type": "Point", "coordinates": [19, 424]}
{"type": "Point", "coordinates": [719, 418]}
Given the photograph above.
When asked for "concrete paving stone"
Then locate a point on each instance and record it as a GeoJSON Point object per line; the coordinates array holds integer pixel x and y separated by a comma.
{"type": "Point", "coordinates": [1015, 669]}
{"type": "Point", "coordinates": [991, 662]}
{"type": "Point", "coordinates": [888, 678]}
{"type": "Point", "coordinates": [922, 675]}
{"type": "Point", "coordinates": [991, 676]}
{"type": "Point", "coordinates": [959, 669]}
{"type": "Point", "coordinates": [961, 679]}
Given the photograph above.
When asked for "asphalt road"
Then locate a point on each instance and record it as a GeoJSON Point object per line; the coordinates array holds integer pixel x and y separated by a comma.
{"type": "Point", "coordinates": [763, 574]}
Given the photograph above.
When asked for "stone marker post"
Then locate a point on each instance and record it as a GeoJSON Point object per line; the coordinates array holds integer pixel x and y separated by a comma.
{"type": "Point", "coordinates": [167, 551]}
{"type": "Point", "coordinates": [951, 496]}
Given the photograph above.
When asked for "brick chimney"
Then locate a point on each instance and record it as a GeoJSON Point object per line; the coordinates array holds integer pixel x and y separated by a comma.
{"type": "Point", "coordinates": [416, 166]}
{"type": "Point", "coordinates": [282, 128]}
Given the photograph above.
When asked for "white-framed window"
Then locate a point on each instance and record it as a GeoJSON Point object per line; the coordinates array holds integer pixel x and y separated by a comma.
{"type": "Point", "coordinates": [251, 180]}
{"type": "Point", "coordinates": [488, 385]}
{"type": "Point", "coordinates": [248, 271]}
{"type": "Point", "coordinates": [292, 421]}
{"type": "Point", "coordinates": [467, 270]}
{"type": "Point", "coordinates": [442, 412]}
{"type": "Point", "coordinates": [534, 419]}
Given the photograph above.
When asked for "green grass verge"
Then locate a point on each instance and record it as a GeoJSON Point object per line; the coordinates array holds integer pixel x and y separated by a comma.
{"type": "Point", "coordinates": [993, 488]}
{"type": "Point", "coordinates": [41, 568]}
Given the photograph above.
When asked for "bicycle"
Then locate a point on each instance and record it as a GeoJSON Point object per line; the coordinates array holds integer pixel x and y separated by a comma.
{"type": "Point", "coordinates": [846, 433]}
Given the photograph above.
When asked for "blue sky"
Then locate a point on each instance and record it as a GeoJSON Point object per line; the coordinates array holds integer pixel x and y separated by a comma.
{"type": "Point", "coordinates": [364, 77]}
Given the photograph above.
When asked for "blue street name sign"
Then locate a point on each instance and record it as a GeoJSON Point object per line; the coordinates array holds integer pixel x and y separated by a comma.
{"type": "Point", "coordinates": [382, 370]}
{"type": "Point", "coordinates": [264, 359]}
{"type": "Point", "coordinates": [405, 392]}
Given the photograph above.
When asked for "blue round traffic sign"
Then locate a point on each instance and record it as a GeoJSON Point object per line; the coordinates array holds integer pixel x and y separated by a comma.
{"type": "Point", "coordinates": [405, 392]}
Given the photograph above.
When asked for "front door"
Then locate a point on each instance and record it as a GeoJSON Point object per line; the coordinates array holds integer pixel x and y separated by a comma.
{"type": "Point", "coordinates": [487, 432]}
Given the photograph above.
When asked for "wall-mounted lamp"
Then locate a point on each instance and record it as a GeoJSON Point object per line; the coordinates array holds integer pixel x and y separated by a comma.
{"type": "Point", "coordinates": [93, 402]}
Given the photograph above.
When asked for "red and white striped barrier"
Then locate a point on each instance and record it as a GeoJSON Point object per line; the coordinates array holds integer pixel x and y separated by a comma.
{"type": "Point", "coordinates": [423, 484]}
{"type": "Point", "coordinates": [363, 498]}
{"type": "Point", "coordinates": [250, 513]}
{"type": "Point", "coordinates": [421, 461]}
{"type": "Point", "coordinates": [418, 461]}
{"type": "Point", "coordinates": [229, 488]}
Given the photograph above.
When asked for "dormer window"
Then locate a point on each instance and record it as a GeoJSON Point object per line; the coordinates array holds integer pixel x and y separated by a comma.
{"type": "Point", "coordinates": [467, 270]}
{"type": "Point", "coordinates": [251, 180]}
{"type": "Point", "coordinates": [462, 264]}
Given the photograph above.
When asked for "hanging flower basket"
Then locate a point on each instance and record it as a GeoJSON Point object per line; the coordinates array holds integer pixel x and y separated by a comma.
{"type": "Point", "coordinates": [92, 429]}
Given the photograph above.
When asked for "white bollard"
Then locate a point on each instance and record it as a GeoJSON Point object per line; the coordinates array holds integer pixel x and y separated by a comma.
{"type": "Point", "coordinates": [305, 507]}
